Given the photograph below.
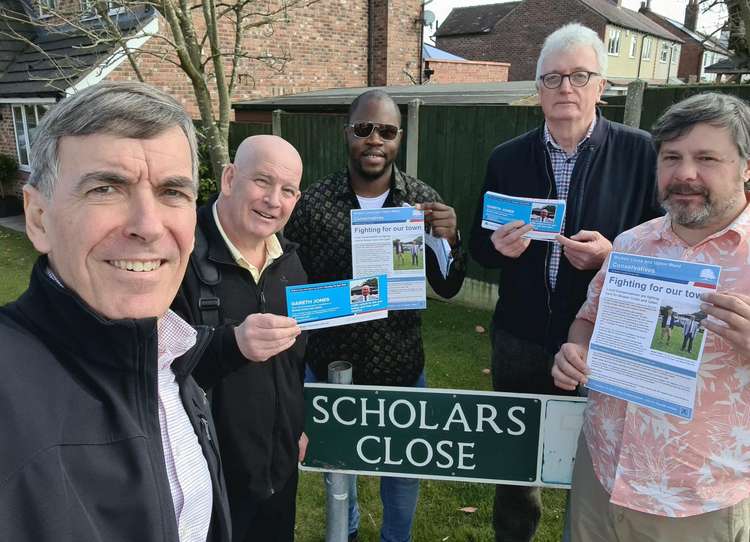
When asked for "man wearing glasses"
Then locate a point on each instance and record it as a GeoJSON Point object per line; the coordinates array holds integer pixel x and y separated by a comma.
{"type": "Point", "coordinates": [605, 172]}
{"type": "Point", "coordinates": [384, 352]}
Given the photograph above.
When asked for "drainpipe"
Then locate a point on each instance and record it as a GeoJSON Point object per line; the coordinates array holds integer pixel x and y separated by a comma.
{"type": "Point", "coordinates": [370, 42]}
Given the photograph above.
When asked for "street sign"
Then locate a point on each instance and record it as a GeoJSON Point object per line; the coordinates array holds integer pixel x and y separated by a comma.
{"type": "Point", "coordinates": [474, 436]}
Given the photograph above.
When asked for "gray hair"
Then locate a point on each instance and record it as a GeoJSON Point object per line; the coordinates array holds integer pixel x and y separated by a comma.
{"type": "Point", "coordinates": [123, 109]}
{"type": "Point", "coordinates": [572, 36]}
{"type": "Point", "coordinates": [719, 110]}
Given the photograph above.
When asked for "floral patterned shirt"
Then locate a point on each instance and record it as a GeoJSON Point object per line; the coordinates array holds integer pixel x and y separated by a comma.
{"type": "Point", "coordinates": [658, 463]}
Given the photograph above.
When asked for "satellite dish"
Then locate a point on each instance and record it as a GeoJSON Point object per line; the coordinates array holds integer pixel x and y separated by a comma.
{"type": "Point", "coordinates": [428, 17]}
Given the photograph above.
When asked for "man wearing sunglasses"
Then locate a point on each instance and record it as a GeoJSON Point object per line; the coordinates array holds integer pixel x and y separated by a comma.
{"type": "Point", "coordinates": [384, 352]}
{"type": "Point", "coordinates": [605, 172]}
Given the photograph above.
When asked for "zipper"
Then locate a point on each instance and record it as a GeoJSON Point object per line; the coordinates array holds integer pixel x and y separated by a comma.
{"type": "Point", "coordinates": [547, 253]}
{"type": "Point", "coordinates": [206, 430]}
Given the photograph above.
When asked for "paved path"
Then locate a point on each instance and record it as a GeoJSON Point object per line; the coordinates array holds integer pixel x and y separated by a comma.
{"type": "Point", "coordinates": [14, 223]}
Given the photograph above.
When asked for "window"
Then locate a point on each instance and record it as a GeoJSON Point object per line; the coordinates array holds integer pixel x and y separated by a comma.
{"type": "Point", "coordinates": [675, 53]}
{"type": "Point", "coordinates": [25, 120]}
{"type": "Point", "coordinates": [664, 55]}
{"type": "Point", "coordinates": [614, 42]}
{"type": "Point", "coordinates": [46, 7]}
{"type": "Point", "coordinates": [633, 45]}
{"type": "Point", "coordinates": [646, 54]}
{"type": "Point", "coordinates": [88, 8]}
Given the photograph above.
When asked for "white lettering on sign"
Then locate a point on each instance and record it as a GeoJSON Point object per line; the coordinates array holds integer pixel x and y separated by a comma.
{"type": "Point", "coordinates": [418, 453]}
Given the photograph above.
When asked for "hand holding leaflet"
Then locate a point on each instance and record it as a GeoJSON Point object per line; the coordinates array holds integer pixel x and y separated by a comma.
{"type": "Point", "coordinates": [630, 356]}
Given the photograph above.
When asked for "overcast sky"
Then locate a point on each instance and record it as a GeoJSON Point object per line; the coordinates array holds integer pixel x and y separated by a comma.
{"type": "Point", "coordinates": [674, 9]}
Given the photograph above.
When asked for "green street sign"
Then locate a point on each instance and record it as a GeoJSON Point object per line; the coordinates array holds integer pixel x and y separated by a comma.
{"type": "Point", "coordinates": [441, 434]}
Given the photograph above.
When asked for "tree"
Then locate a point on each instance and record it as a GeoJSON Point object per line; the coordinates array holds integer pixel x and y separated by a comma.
{"type": "Point", "coordinates": [738, 19]}
{"type": "Point", "coordinates": [214, 43]}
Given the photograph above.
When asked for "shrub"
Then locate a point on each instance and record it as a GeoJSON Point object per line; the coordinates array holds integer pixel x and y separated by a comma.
{"type": "Point", "coordinates": [8, 172]}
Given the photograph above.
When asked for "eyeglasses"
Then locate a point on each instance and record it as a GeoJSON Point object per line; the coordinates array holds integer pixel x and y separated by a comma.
{"type": "Point", "coordinates": [364, 130]}
{"type": "Point", "coordinates": [577, 79]}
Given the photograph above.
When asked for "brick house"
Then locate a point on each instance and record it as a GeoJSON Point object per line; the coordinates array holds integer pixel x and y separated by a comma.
{"type": "Point", "coordinates": [330, 43]}
{"type": "Point", "coordinates": [442, 67]}
{"type": "Point", "coordinates": [514, 32]}
{"type": "Point", "coordinates": [698, 50]}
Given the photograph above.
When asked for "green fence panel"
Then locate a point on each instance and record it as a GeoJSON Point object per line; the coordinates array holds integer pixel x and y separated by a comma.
{"type": "Point", "coordinates": [321, 142]}
{"type": "Point", "coordinates": [454, 145]}
{"type": "Point", "coordinates": [238, 131]}
{"type": "Point", "coordinates": [657, 99]}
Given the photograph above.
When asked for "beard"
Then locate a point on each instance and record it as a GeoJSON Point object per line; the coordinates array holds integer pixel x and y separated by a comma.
{"type": "Point", "coordinates": [370, 174]}
{"type": "Point", "coordinates": [690, 215]}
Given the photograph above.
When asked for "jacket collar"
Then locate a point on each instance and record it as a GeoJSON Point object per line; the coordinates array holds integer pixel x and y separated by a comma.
{"type": "Point", "coordinates": [63, 321]}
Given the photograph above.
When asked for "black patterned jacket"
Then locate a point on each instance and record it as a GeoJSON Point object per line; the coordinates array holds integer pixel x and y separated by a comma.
{"type": "Point", "coordinates": [382, 352]}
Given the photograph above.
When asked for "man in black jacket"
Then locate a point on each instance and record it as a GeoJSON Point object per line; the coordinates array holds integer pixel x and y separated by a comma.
{"type": "Point", "coordinates": [605, 172]}
{"type": "Point", "coordinates": [105, 436]}
{"type": "Point", "coordinates": [385, 352]}
{"type": "Point", "coordinates": [235, 281]}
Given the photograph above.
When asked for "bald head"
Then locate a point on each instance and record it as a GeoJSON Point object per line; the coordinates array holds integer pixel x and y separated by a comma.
{"type": "Point", "coordinates": [259, 190]}
{"type": "Point", "coordinates": [270, 148]}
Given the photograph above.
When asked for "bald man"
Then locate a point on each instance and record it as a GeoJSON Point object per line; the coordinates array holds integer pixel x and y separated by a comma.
{"type": "Point", "coordinates": [235, 283]}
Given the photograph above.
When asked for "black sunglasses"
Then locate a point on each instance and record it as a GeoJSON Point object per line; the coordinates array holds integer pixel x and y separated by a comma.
{"type": "Point", "coordinates": [364, 130]}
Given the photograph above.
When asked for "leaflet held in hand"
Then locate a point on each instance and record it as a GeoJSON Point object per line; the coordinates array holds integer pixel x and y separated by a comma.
{"type": "Point", "coordinates": [648, 342]}
{"type": "Point", "coordinates": [339, 302]}
{"type": "Point", "coordinates": [391, 241]}
{"type": "Point", "coordinates": [545, 215]}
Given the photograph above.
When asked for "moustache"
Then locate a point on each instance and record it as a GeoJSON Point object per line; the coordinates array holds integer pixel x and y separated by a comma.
{"type": "Point", "coordinates": [685, 189]}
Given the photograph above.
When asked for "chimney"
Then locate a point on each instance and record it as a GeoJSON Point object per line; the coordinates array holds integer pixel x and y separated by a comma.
{"type": "Point", "coordinates": [691, 15]}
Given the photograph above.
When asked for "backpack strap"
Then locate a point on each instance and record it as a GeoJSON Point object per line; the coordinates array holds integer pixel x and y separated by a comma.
{"type": "Point", "coordinates": [208, 277]}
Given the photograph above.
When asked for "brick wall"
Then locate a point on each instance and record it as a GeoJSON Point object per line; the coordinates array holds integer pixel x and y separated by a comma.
{"type": "Point", "coordinates": [404, 41]}
{"type": "Point", "coordinates": [327, 44]}
{"type": "Point", "coordinates": [8, 142]}
{"type": "Point", "coordinates": [457, 71]}
{"type": "Point", "coordinates": [7, 134]}
{"type": "Point", "coordinates": [518, 37]}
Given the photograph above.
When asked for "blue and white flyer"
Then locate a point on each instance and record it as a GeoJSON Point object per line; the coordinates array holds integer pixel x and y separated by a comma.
{"type": "Point", "coordinates": [391, 241]}
{"type": "Point", "coordinates": [648, 342]}
{"type": "Point", "coordinates": [545, 215]}
{"type": "Point", "coordinates": [338, 303]}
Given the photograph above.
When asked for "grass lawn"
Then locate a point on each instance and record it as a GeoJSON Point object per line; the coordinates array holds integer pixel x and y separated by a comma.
{"type": "Point", "coordinates": [456, 357]}
{"type": "Point", "coordinates": [675, 343]}
{"type": "Point", "coordinates": [404, 262]}
{"type": "Point", "coordinates": [17, 256]}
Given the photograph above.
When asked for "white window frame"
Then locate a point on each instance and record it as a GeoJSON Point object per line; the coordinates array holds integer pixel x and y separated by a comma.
{"type": "Point", "coordinates": [664, 53]}
{"type": "Point", "coordinates": [675, 53]}
{"type": "Point", "coordinates": [613, 47]}
{"type": "Point", "coordinates": [646, 49]}
{"type": "Point", "coordinates": [633, 46]}
{"type": "Point", "coordinates": [46, 8]}
{"type": "Point", "coordinates": [14, 108]}
{"type": "Point", "coordinates": [88, 11]}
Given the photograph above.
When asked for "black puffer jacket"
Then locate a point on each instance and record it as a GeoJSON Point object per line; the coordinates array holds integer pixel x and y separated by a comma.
{"type": "Point", "coordinates": [612, 189]}
{"type": "Point", "coordinates": [258, 407]}
{"type": "Point", "coordinates": [81, 454]}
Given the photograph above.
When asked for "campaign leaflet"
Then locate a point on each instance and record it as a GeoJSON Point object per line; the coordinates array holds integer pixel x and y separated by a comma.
{"type": "Point", "coordinates": [391, 241]}
{"type": "Point", "coordinates": [648, 342]}
{"type": "Point", "coordinates": [545, 215]}
{"type": "Point", "coordinates": [338, 303]}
